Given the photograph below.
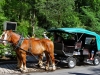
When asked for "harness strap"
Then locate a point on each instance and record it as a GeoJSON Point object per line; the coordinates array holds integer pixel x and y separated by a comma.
{"type": "Point", "coordinates": [19, 42]}
{"type": "Point", "coordinates": [29, 50]}
{"type": "Point", "coordinates": [30, 53]}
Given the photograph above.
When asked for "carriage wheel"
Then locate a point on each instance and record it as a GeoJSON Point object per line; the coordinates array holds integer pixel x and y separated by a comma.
{"type": "Point", "coordinates": [71, 62]}
{"type": "Point", "coordinates": [96, 60]}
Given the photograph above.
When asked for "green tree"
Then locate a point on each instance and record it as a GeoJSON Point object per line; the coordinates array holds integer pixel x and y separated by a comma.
{"type": "Point", "coordinates": [89, 13]}
{"type": "Point", "coordinates": [52, 13]}
{"type": "Point", "coordinates": [57, 13]}
{"type": "Point", "coordinates": [2, 17]}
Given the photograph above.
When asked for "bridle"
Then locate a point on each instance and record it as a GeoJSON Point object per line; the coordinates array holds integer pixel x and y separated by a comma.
{"type": "Point", "coordinates": [5, 35]}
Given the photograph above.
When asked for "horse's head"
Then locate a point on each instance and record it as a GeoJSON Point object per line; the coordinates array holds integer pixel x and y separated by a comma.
{"type": "Point", "coordinates": [6, 36]}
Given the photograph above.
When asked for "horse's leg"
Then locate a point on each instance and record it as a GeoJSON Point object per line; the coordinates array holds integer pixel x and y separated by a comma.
{"type": "Point", "coordinates": [47, 63]}
{"type": "Point", "coordinates": [41, 61]}
{"type": "Point", "coordinates": [53, 61]}
{"type": "Point", "coordinates": [18, 60]}
{"type": "Point", "coordinates": [23, 62]}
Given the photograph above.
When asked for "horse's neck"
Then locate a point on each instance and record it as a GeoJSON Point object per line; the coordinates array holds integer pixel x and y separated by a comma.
{"type": "Point", "coordinates": [15, 38]}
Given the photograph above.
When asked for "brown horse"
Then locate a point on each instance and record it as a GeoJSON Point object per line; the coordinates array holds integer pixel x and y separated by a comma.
{"type": "Point", "coordinates": [34, 46]}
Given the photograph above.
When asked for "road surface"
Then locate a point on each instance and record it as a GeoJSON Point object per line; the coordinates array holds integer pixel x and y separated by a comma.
{"type": "Point", "coordinates": [78, 70]}
{"type": "Point", "coordinates": [62, 69]}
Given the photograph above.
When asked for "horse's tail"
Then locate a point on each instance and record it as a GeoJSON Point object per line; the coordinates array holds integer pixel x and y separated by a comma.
{"type": "Point", "coordinates": [48, 44]}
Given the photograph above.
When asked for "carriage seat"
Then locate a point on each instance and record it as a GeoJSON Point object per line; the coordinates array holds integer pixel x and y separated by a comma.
{"type": "Point", "coordinates": [78, 48]}
{"type": "Point", "coordinates": [78, 45]}
{"type": "Point", "coordinates": [63, 50]}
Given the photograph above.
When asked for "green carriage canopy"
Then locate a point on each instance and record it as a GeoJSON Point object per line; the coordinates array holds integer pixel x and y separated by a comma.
{"type": "Point", "coordinates": [79, 30]}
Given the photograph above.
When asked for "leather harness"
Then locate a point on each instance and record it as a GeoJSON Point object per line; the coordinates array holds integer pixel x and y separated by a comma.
{"type": "Point", "coordinates": [19, 44]}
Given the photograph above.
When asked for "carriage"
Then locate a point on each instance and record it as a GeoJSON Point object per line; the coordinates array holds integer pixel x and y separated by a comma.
{"type": "Point", "coordinates": [76, 51]}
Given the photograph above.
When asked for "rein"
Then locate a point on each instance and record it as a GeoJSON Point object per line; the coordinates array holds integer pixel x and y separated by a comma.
{"type": "Point", "coordinates": [3, 40]}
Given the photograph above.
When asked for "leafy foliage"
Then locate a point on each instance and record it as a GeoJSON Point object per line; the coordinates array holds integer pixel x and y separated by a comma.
{"type": "Point", "coordinates": [23, 28]}
{"type": "Point", "coordinates": [50, 13]}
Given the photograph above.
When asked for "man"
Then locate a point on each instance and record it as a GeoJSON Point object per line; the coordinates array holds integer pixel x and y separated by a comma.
{"type": "Point", "coordinates": [93, 48]}
{"type": "Point", "coordinates": [57, 38]}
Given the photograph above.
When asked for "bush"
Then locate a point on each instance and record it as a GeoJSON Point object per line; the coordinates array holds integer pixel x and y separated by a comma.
{"type": "Point", "coordinates": [7, 51]}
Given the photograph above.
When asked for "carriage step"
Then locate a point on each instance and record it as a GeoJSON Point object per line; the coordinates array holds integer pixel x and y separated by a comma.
{"type": "Point", "coordinates": [64, 61]}
{"type": "Point", "coordinates": [88, 61]}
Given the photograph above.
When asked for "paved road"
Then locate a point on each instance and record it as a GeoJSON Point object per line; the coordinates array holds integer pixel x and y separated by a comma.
{"type": "Point", "coordinates": [9, 69]}
{"type": "Point", "coordinates": [78, 70]}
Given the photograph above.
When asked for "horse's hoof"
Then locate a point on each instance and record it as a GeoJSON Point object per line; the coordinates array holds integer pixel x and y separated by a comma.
{"type": "Point", "coordinates": [42, 67]}
{"type": "Point", "coordinates": [46, 68]}
{"type": "Point", "coordinates": [54, 68]}
{"type": "Point", "coordinates": [21, 69]}
{"type": "Point", "coordinates": [24, 71]}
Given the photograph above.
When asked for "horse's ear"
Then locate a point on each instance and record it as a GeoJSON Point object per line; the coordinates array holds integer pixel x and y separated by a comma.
{"type": "Point", "coordinates": [4, 30]}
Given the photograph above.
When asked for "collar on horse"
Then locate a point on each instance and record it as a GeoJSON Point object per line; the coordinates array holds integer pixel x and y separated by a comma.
{"type": "Point", "coordinates": [19, 42]}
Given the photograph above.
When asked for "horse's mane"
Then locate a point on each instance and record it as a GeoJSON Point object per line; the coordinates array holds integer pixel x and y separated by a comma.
{"type": "Point", "coordinates": [18, 33]}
